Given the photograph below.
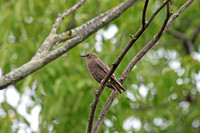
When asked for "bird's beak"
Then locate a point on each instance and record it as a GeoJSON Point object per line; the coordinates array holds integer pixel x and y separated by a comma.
{"type": "Point", "coordinates": [82, 56]}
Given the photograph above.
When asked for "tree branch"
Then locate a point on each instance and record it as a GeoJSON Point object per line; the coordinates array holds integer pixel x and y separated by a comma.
{"type": "Point", "coordinates": [170, 42]}
{"type": "Point", "coordinates": [125, 73]}
{"type": "Point", "coordinates": [187, 43]}
{"type": "Point", "coordinates": [64, 15]}
{"type": "Point", "coordinates": [196, 32]}
{"type": "Point", "coordinates": [179, 12]}
{"type": "Point", "coordinates": [53, 38]}
{"type": "Point", "coordinates": [174, 17]}
{"type": "Point", "coordinates": [144, 13]}
{"type": "Point", "coordinates": [104, 111]}
{"type": "Point", "coordinates": [81, 33]}
{"type": "Point", "coordinates": [116, 63]}
{"type": "Point", "coordinates": [177, 34]}
{"type": "Point", "coordinates": [92, 113]}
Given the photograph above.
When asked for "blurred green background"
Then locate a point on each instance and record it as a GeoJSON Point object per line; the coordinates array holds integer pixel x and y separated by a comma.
{"type": "Point", "coordinates": [163, 90]}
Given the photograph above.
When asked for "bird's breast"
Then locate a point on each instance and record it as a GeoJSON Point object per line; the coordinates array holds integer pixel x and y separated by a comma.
{"type": "Point", "coordinates": [95, 70]}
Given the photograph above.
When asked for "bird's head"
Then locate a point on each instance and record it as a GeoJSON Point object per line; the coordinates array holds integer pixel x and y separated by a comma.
{"type": "Point", "coordinates": [90, 56]}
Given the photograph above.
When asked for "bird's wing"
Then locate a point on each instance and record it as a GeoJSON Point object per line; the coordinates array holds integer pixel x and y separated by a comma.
{"type": "Point", "coordinates": [117, 84]}
{"type": "Point", "coordinates": [102, 65]}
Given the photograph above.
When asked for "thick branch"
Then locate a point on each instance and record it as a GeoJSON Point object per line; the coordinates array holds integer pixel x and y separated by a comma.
{"type": "Point", "coordinates": [82, 33]}
{"type": "Point", "coordinates": [53, 38]}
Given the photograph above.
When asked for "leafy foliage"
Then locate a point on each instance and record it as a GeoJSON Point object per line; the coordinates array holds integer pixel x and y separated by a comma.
{"type": "Point", "coordinates": [162, 90]}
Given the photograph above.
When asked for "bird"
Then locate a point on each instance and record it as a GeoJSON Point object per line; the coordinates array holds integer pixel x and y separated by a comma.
{"type": "Point", "coordinates": [99, 69]}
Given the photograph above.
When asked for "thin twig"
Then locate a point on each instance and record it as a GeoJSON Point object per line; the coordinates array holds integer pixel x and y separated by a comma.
{"type": "Point", "coordinates": [187, 43]}
{"type": "Point", "coordinates": [114, 93]}
{"type": "Point", "coordinates": [53, 38]}
{"type": "Point", "coordinates": [122, 54]}
{"type": "Point", "coordinates": [157, 11]}
{"type": "Point", "coordinates": [195, 34]}
{"type": "Point", "coordinates": [173, 18]}
{"type": "Point", "coordinates": [92, 113]}
{"type": "Point", "coordinates": [168, 43]}
{"type": "Point", "coordinates": [177, 14]}
{"type": "Point", "coordinates": [177, 34]}
{"type": "Point", "coordinates": [104, 111]}
{"type": "Point", "coordinates": [64, 15]}
{"type": "Point", "coordinates": [144, 13]}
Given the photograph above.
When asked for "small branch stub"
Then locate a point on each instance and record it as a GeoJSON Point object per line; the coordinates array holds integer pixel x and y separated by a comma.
{"type": "Point", "coordinates": [132, 37]}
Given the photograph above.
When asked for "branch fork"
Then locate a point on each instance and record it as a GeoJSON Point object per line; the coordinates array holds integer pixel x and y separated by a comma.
{"type": "Point", "coordinates": [146, 48]}
{"type": "Point", "coordinates": [44, 55]}
{"type": "Point", "coordinates": [78, 34]}
{"type": "Point", "coordinates": [118, 60]}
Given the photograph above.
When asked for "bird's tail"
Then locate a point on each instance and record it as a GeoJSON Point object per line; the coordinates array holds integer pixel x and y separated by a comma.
{"type": "Point", "coordinates": [118, 86]}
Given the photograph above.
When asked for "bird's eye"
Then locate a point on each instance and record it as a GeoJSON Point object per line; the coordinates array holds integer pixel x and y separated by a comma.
{"type": "Point", "coordinates": [87, 55]}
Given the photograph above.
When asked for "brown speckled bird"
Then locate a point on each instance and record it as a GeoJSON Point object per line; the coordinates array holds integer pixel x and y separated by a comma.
{"type": "Point", "coordinates": [99, 70]}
